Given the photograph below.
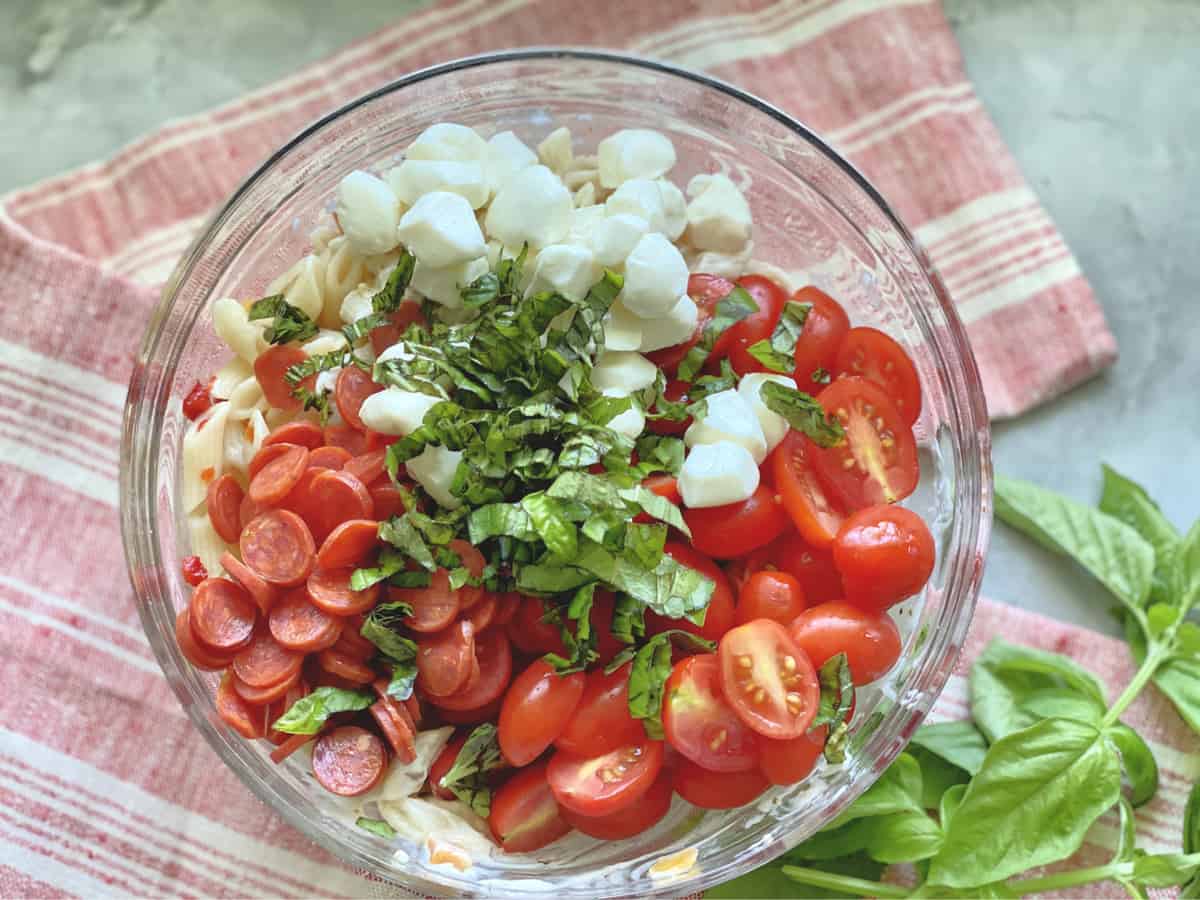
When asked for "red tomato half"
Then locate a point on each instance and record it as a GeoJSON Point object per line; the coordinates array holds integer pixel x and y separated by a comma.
{"type": "Point", "coordinates": [603, 784]}
{"type": "Point", "coordinates": [770, 595]}
{"type": "Point", "coordinates": [870, 641]}
{"type": "Point", "coordinates": [525, 816]}
{"type": "Point", "coordinates": [625, 823]}
{"type": "Point", "coordinates": [707, 291]}
{"type": "Point", "coordinates": [876, 461]}
{"type": "Point", "coordinates": [758, 326]}
{"type": "Point", "coordinates": [822, 334]}
{"type": "Point", "coordinates": [601, 722]}
{"type": "Point", "coordinates": [717, 790]}
{"type": "Point", "coordinates": [787, 762]}
{"type": "Point", "coordinates": [737, 528]}
{"type": "Point", "coordinates": [529, 633]}
{"type": "Point", "coordinates": [719, 617]}
{"type": "Point", "coordinates": [871, 354]}
{"type": "Point", "coordinates": [813, 568]}
{"type": "Point", "coordinates": [408, 313]}
{"type": "Point", "coordinates": [536, 710]}
{"type": "Point", "coordinates": [885, 553]}
{"type": "Point", "coordinates": [810, 508]}
{"type": "Point", "coordinates": [443, 764]}
{"type": "Point", "coordinates": [700, 724]}
{"type": "Point", "coordinates": [768, 680]}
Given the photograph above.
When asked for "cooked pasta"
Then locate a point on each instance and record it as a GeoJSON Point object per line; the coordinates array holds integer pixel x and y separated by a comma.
{"type": "Point", "coordinates": [203, 455]}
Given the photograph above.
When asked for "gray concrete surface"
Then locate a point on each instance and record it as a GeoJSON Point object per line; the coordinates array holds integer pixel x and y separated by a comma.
{"type": "Point", "coordinates": [1097, 99]}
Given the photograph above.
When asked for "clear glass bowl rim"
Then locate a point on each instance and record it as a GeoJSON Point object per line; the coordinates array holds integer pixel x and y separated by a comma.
{"type": "Point", "coordinates": [153, 376]}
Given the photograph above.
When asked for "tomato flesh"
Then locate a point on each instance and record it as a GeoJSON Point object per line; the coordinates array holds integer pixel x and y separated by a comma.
{"type": "Point", "coordinates": [717, 790]}
{"type": "Point", "coordinates": [700, 724]}
{"type": "Point", "coordinates": [603, 784]}
{"type": "Point", "coordinates": [813, 568]}
{"type": "Point", "coordinates": [625, 823]}
{"type": "Point", "coordinates": [757, 326]}
{"type": "Point", "coordinates": [601, 722]}
{"type": "Point", "coordinates": [824, 328]}
{"type": "Point", "coordinates": [870, 641]}
{"type": "Point", "coordinates": [536, 710]}
{"type": "Point", "coordinates": [768, 680]}
{"type": "Point", "coordinates": [876, 460]}
{"type": "Point", "coordinates": [885, 554]}
{"type": "Point", "coordinates": [735, 529]}
{"type": "Point", "coordinates": [871, 354]}
{"type": "Point", "coordinates": [718, 618]}
{"type": "Point", "coordinates": [770, 595]}
{"type": "Point", "coordinates": [805, 500]}
{"type": "Point", "coordinates": [787, 762]}
{"type": "Point", "coordinates": [524, 815]}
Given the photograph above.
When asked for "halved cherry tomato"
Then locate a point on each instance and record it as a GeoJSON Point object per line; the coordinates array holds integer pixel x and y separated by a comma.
{"type": "Point", "coordinates": [495, 670]}
{"type": "Point", "coordinates": [707, 291]}
{"type": "Point", "coordinates": [271, 366]}
{"type": "Point", "coordinates": [717, 790]}
{"type": "Point", "coordinates": [813, 568]}
{"type": "Point", "coordinates": [352, 387]}
{"type": "Point", "coordinates": [737, 528]}
{"type": "Point", "coordinates": [530, 634]}
{"type": "Point", "coordinates": [604, 783]}
{"type": "Point", "coordinates": [770, 595]}
{"type": "Point", "coordinates": [876, 461]}
{"type": "Point", "coordinates": [870, 641]}
{"type": "Point", "coordinates": [524, 815]}
{"type": "Point", "coordinates": [601, 722]}
{"type": "Point", "coordinates": [536, 710]}
{"type": "Point", "coordinates": [719, 617]}
{"type": "Point", "coordinates": [700, 724]}
{"type": "Point", "coordinates": [444, 660]}
{"type": "Point", "coordinates": [408, 313]}
{"type": "Point", "coordinates": [676, 392]}
{"type": "Point", "coordinates": [822, 334]}
{"type": "Point", "coordinates": [871, 354]}
{"type": "Point", "coordinates": [625, 823]}
{"type": "Point", "coordinates": [768, 680]}
{"type": "Point", "coordinates": [885, 553]}
{"type": "Point", "coordinates": [803, 496]}
{"type": "Point", "coordinates": [443, 764]}
{"type": "Point", "coordinates": [787, 762]}
{"type": "Point", "coordinates": [739, 570]}
{"type": "Point", "coordinates": [758, 326]}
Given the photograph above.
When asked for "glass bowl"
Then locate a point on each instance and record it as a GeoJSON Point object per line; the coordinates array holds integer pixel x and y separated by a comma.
{"type": "Point", "coordinates": [812, 211]}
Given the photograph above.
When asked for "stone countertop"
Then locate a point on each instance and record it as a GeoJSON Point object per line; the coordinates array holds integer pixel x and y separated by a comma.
{"type": "Point", "coordinates": [1097, 99]}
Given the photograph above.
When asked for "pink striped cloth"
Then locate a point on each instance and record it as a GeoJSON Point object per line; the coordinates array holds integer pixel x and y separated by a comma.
{"type": "Point", "coordinates": [104, 787]}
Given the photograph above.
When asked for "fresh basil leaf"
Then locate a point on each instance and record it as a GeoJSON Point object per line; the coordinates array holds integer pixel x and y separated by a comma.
{"type": "Point", "coordinates": [382, 628]}
{"type": "Point", "coordinates": [771, 359]}
{"type": "Point", "coordinates": [656, 507]}
{"type": "Point", "coordinates": [1062, 703]}
{"type": "Point", "coordinates": [1141, 768]}
{"type": "Point", "coordinates": [1166, 869]}
{"type": "Point", "coordinates": [580, 642]}
{"type": "Point", "coordinates": [1189, 563]}
{"type": "Point", "coordinates": [658, 453]}
{"type": "Point", "coordinates": [1031, 804]}
{"type": "Point", "coordinates": [769, 882]}
{"type": "Point", "coordinates": [391, 562]}
{"type": "Point", "coordinates": [550, 578]}
{"type": "Point", "coordinates": [904, 837]}
{"type": "Point", "coordinates": [937, 775]}
{"type": "Point", "coordinates": [551, 525]}
{"type": "Point", "coordinates": [948, 806]}
{"type": "Point", "coordinates": [1115, 554]}
{"type": "Point", "coordinates": [959, 743]}
{"type": "Point", "coordinates": [289, 323]}
{"type": "Point", "coordinates": [403, 680]}
{"type": "Point", "coordinates": [898, 789]}
{"type": "Point", "coordinates": [1178, 677]}
{"type": "Point", "coordinates": [670, 589]}
{"type": "Point", "coordinates": [376, 827]}
{"type": "Point", "coordinates": [778, 353]}
{"type": "Point", "coordinates": [629, 619]}
{"type": "Point", "coordinates": [647, 680]}
{"type": "Point", "coordinates": [729, 310]}
{"type": "Point", "coordinates": [320, 362]}
{"type": "Point", "coordinates": [837, 691]}
{"type": "Point", "coordinates": [500, 519]}
{"type": "Point", "coordinates": [644, 543]}
{"type": "Point", "coordinates": [1005, 676]}
{"type": "Point", "coordinates": [1191, 821]}
{"type": "Point", "coordinates": [400, 532]}
{"type": "Point", "coordinates": [802, 412]}
{"type": "Point", "coordinates": [479, 755]}
{"type": "Point", "coordinates": [317, 401]}
{"type": "Point", "coordinates": [482, 291]}
{"type": "Point", "coordinates": [308, 714]}
{"type": "Point", "coordinates": [388, 299]}
{"type": "Point", "coordinates": [1126, 500]}
{"type": "Point", "coordinates": [355, 331]}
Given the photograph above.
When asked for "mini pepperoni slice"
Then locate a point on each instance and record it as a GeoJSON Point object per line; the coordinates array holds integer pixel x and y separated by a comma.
{"type": "Point", "coordinates": [289, 745]}
{"type": "Point", "coordinates": [328, 458]}
{"type": "Point", "coordinates": [352, 643]}
{"type": "Point", "coordinates": [270, 368]}
{"type": "Point", "coordinates": [474, 562]}
{"type": "Point", "coordinates": [444, 660]}
{"type": "Point", "coordinates": [264, 696]}
{"type": "Point", "coordinates": [352, 387]}
{"type": "Point", "coordinates": [329, 590]}
{"type": "Point", "coordinates": [298, 625]}
{"type": "Point", "coordinates": [369, 467]}
{"type": "Point", "coordinates": [349, 761]}
{"type": "Point", "coordinates": [303, 432]}
{"type": "Point", "coordinates": [434, 607]}
{"type": "Point", "coordinates": [482, 614]}
{"type": "Point", "coordinates": [335, 497]}
{"type": "Point", "coordinates": [235, 712]}
{"type": "Point", "coordinates": [398, 708]}
{"type": "Point", "coordinates": [349, 544]}
{"type": "Point", "coordinates": [387, 500]}
{"type": "Point", "coordinates": [249, 511]}
{"type": "Point", "coordinates": [413, 707]}
{"type": "Point", "coordinates": [191, 649]}
{"type": "Point", "coordinates": [506, 607]}
{"type": "Point", "coordinates": [222, 615]}
{"type": "Point", "coordinates": [224, 500]}
{"type": "Point", "coordinates": [262, 593]}
{"type": "Point", "coordinates": [278, 546]}
{"type": "Point", "coordinates": [266, 454]}
{"type": "Point", "coordinates": [276, 479]}
{"type": "Point", "coordinates": [345, 667]}
{"type": "Point", "coordinates": [266, 662]}
{"type": "Point", "coordinates": [494, 657]}
{"type": "Point", "coordinates": [350, 439]}
{"type": "Point", "coordinates": [397, 732]}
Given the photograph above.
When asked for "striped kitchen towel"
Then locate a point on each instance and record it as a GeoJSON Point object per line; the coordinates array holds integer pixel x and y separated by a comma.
{"type": "Point", "coordinates": [104, 787]}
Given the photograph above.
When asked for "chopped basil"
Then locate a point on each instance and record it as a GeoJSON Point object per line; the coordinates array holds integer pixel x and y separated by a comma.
{"type": "Point", "coordinates": [649, 672]}
{"type": "Point", "coordinates": [310, 713]}
{"type": "Point", "coordinates": [837, 692]}
{"type": "Point", "coordinates": [821, 375]}
{"type": "Point", "coordinates": [778, 353]}
{"type": "Point", "coordinates": [581, 642]}
{"type": "Point", "coordinates": [802, 412]}
{"type": "Point", "coordinates": [382, 628]}
{"type": "Point", "coordinates": [388, 299]}
{"type": "Point", "coordinates": [404, 678]}
{"type": "Point", "coordinates": [376, 826]}
{"type": "Point", "coordinates": [479, 755]}
{"type": "Point", "coordinates": [730, 309]}
{"type": "Point", "coordinates": [289, 323]}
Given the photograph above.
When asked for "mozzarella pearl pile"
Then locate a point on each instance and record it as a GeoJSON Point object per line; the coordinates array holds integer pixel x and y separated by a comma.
{"type": "Point", "coordinates": [458, 202]}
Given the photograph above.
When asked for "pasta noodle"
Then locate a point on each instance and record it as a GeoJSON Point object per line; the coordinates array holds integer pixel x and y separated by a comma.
{"type": "Point", "coordinates": [344, 271]}
{"type": "Point", "coordinates": [228, 377]}
{"type": "Point", "coordinates": [243, 434]}
{"type": "Point", "coordinates": [236, 330]}
{"type": "Point", "coordinates": [307, 288]}
{"type": "Point", "coordinates": [203, 451]}
{"type": "Point", "coordinates": [205, 542]}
